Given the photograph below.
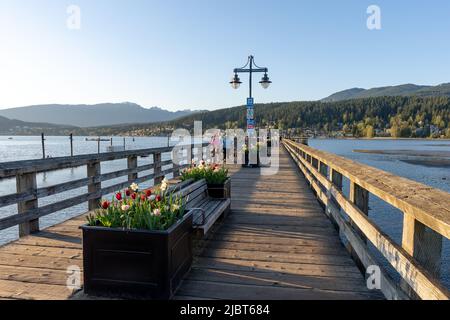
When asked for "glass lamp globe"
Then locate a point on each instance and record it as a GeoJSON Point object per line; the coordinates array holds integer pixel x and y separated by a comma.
{"type": "Point", "coordinates": [235, 82]}
{"type": "Point", "coordinates": [265, 82]}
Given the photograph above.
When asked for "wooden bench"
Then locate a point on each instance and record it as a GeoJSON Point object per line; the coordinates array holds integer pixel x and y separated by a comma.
{"type": "Point", "coordinates": [207, 210]}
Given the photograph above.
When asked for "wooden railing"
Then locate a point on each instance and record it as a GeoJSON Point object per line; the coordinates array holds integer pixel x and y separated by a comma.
{"type": "Point", "coordinates": [426, 219]}
{"type": "Point", "coordinates": [27, 192]}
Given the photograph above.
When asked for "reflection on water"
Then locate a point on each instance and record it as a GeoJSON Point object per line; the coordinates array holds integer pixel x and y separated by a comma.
{"type": "Point", "coordinates": [390, 219]}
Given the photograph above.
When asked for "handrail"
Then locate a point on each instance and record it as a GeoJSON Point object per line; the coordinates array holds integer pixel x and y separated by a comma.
{"type": "Point", "coordinates": [426, 219]}
{"type": "Point", "coordinates": [27, 192]}
{"type": "Point", "coordinates": [10, 169]}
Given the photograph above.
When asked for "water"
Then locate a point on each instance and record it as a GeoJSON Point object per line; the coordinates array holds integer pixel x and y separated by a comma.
{"type": "Point", "coordinates": [388, 218]}
{"type": "Point", "coordinates": [25, 148]}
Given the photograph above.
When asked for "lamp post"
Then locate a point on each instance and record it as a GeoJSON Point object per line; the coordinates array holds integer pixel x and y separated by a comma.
{"type": "Point", "coordinates": [265, 82]}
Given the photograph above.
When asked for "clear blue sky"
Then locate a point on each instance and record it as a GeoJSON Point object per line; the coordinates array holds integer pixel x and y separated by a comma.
{"type": "Point", "coordinates": [180, 54]}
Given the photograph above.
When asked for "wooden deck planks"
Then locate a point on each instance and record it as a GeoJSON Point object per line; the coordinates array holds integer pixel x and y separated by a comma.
{"type": "Point", "coordinates": [276, 244]}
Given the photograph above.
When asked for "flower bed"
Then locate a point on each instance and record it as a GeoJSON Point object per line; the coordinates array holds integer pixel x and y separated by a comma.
{"type": "Point", "coordinates": [219, 185]}
{"type": "Point", "coordinates": [138, 245]}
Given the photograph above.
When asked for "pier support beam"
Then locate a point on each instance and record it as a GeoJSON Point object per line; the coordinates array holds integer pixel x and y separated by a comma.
{"type": "Point", "coordinates": [27, 183]}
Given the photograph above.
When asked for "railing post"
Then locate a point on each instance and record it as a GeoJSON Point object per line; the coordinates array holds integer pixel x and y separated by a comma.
{"type": "Point", "coordinates": [323, 169]}
{"type": "Point", "coordinates": [336, 179]}
{"type": "Point", "coordinates": [132, 162]}
{"type": "Point", "coordinates": [360, 197]}
{"type": "Point", "coordinates": [94, 170]}
{"type": "Point", "coordinates": [177, 158]}
{"type": "Point", "coordinates": [157, 167]}
{"type": "Point", "coordinates": [27, 183]}
{"type": "Point", "coordinates": [422, 243]}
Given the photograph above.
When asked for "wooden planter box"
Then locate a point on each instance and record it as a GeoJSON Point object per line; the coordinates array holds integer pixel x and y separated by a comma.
{"type": "Point", "coordinates": [137, 264]}
{"type": "Point", "coordinates": [220, 191]}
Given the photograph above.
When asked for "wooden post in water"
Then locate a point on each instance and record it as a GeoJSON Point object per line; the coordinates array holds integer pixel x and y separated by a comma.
{"type": "Point", "coordinates": [71, 144]}
{"type": "Point", "coordinates": [98, 145]}
{"type": "Point", "coordinates": [124, 145]}
{"type": "Point", "coordinates": [157, 167]}
{"type": "Point", "coordinates": [43, 145]}
{"type": "Point", "coordinates": [27, 183]}
{"type": "Point", "coordinates": [94, 170]}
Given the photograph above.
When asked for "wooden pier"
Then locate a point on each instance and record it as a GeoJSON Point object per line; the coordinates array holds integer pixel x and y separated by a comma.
{"type": "Point", "coordinates": [277, 243]}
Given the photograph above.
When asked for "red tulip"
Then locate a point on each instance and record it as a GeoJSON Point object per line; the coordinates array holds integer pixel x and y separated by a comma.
{"type": "Point", "coordinates": [119, 196]}
{"type": "Point", "coordinates": [148, 192]}
{"type": "Point", "coordinates": [128, 192]}
{"type": "Point", "coordinates": [143, 197]}
{"type": "Point", "coordinates": [158, 198]}
{"type": "Point", "coordinates": [133, 196]}
{"type": "Point", "coordinates": [105, 205]}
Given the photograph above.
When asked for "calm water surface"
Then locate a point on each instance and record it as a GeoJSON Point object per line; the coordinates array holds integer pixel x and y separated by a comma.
{"type": "Point", "coordinates": [25, 148]}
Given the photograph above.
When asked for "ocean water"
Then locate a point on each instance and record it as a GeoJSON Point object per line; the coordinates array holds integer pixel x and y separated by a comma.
{"type": "Point", "coordinates": [388, 218]}
{"type": "Point", "coordinates": [25, 148]}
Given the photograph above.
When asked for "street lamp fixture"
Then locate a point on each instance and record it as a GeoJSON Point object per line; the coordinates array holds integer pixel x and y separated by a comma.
{"type": "Point", "coordinates": [265, 81]}
{"type": "Point", "coordinates": [235, 82]}
{"type": "Point", "coordinates": [250, 68]}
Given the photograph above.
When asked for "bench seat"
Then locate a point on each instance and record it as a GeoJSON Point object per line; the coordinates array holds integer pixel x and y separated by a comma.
{"type": "Point", "coordinates": [207, 210]}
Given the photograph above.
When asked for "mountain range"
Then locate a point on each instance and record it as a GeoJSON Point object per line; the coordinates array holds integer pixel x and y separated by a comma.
{"type": "Point", "coordinates": [106, 114]}
{"type": "Point", "coordinates": [17, 127]}
{"type": "Point", "coordinates": [391, 91]}
{"type": "Point", "coordinates": [124, 118]}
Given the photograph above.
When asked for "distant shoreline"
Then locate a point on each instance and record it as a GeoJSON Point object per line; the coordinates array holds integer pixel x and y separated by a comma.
{"type": "Point", "coordinates": [382, 138]}
{"type": "Point", "coordinates": [317, 138]}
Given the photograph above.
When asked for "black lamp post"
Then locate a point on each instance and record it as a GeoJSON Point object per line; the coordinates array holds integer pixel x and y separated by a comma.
{"type": "Point", "coordinates": [265, 82]}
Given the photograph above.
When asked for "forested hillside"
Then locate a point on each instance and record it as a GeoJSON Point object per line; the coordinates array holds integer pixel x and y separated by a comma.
{"type": "Point", "coordinates": [396, 116]}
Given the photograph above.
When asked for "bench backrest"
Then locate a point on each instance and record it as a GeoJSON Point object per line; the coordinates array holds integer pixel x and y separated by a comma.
{"type": "Point", "coordinates": [194, 193]}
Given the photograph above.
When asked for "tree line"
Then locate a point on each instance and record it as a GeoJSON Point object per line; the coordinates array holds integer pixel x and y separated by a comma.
{"type": "Point", "coordinates": [395, 116]}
